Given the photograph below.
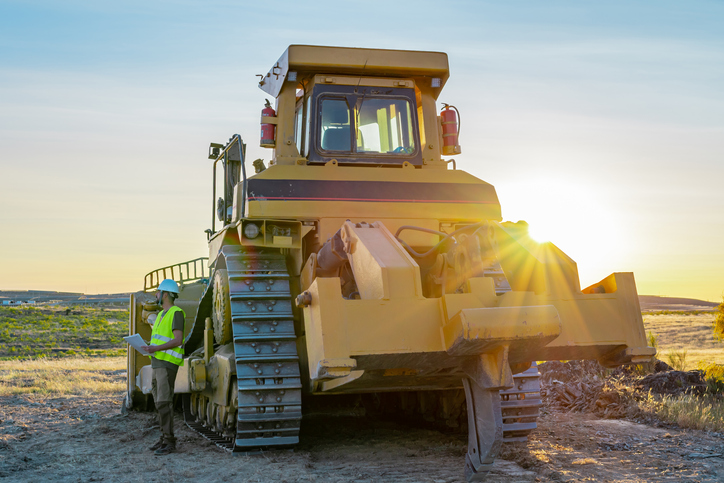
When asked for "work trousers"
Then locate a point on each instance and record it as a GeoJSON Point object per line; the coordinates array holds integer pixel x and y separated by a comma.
{"type": "Point", "coordinates": [162, 387]}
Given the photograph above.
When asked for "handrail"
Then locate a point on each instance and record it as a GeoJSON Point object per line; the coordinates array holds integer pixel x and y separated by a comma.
{"type": "Point", "coordinates": [235, 139]}
{"type": "Point", "coordinates": [181, 272]}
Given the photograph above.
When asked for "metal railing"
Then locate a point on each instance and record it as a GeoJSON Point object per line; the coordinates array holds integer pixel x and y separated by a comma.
{"type": "Point", "coordinates": [181, 272]}
{"type": "Point", "coordinates": [218, 152]}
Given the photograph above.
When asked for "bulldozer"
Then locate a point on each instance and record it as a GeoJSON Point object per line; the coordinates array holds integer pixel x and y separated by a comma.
{"type": "Point", "coordinates": [361, 261]}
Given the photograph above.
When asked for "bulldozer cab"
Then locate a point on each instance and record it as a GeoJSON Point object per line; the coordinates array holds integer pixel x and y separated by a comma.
{"type": "Point", "coordinates": [356, 107]}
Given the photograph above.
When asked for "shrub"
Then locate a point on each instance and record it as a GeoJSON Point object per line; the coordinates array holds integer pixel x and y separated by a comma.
{"type": "Point", "coordinates": [714, 376]}
{"type": "Point", "coordinates": [719, 322]}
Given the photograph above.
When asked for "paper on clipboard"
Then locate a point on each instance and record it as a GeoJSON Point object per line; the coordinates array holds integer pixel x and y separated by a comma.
{"type": "Point", "coordinates": [137, 342]}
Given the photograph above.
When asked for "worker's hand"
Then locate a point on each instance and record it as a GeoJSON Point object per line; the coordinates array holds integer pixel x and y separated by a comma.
{"type": "Point", "coordinates": [149, 348]}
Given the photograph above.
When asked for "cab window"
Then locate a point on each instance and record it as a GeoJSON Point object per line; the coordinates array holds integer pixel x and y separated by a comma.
{"type": "Point", "coordinates": [368, 125]}
{"type": "Point", "coordinates": [336, 130]}
{"type": "Point", "coordinates": [307, 126]}
{"type": "Point", "coordinates": [384, 126]}
{"type": "Point", "coordinates": [299, 120]}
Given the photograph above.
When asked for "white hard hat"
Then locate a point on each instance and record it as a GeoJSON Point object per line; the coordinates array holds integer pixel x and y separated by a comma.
{"type": "Point", "coordinates": [168, 285]}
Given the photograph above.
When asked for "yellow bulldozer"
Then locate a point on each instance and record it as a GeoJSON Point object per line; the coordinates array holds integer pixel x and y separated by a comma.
{"type": "Point", "coordinates": [360, 261]}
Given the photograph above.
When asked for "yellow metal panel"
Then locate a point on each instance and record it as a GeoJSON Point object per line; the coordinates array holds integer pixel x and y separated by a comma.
{"type": "Point", "coordinates": [612, 320]}
{"type": "Point", "coordinates": [381, 266]}
{"type": "Point", "coordinates": [364, 81]}
{"type": "Point", "coordinates": [393, 326]}
{"type": "Point", "coordinates": [282, 241]}
{"type": "Point", "coordinates": [367, 62]}
{"type": "Point", "coordinates": [594, 326]}
{"type": "Point", "coordinates": [358, 173]}
{"type": "Point", "coordinates": [430, 132]}
{"type": "Point", "coordinates": [479, 330]}
{"type": "Point", "coordinates": [486, 208]}
{"type": "Point", "coordinates": [325, 330]}
{"type": "Point", "coordinates": [312, 210]}
{"type": "Point", "coordinates": [339, 328]}
{"type": "Point", "coordinates": [484, 289]}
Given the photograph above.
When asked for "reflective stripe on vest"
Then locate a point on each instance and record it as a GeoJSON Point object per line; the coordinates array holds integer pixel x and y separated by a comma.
{"type": "Point", "coordinates": [163, 332]}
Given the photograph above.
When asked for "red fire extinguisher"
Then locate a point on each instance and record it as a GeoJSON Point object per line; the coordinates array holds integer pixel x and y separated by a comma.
{"type": "Point", "coordinates": [267, 129]}
{"type": "Point", "coordinates": [450, 130]}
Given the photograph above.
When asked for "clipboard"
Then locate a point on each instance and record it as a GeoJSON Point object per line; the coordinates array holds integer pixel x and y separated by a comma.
{"type": "Point", "coordinates": [137, 342]}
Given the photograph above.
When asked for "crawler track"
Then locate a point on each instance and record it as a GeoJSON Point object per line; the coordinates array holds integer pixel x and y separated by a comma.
{"type": "Point", "coordinates": [269, 403]}
{"type": "Point", "coordinates": [520, 405]}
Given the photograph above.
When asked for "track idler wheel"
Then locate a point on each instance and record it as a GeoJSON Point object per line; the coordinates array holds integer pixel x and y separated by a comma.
{"type": "Point", "coordinates": [221, 308]}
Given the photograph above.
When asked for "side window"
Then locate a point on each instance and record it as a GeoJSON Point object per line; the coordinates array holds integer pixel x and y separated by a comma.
{"type": "Point", "coordinates": [335, 133]}
{"type": "Point", "coordinates": [307, 128]}
{"type": "Point", "coordinates": [298, 124]}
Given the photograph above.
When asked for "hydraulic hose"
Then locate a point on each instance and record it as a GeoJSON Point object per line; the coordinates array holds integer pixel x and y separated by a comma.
{"type": "Point", "coordinates": [427, 230]}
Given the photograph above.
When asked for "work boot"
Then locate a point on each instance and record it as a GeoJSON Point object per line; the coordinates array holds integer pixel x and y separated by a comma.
{"type": "Point", "coordinates": [165, 449]}
{"type": "Point", "coordinates": [157, 445]}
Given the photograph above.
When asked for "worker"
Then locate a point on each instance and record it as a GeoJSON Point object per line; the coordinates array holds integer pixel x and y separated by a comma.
{"type": "Point", "coordinates": [166, 356]}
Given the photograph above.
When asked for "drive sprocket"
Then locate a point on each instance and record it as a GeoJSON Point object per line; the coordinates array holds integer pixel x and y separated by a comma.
{"type": "Point", "coordinates": [221, 308]}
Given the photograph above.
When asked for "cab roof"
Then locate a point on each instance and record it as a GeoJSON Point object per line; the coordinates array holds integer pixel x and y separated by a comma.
{"type": "Point", "coordinates": [419, 65]}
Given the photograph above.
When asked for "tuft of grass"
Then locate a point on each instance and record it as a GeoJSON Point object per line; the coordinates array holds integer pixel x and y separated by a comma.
{"type": "Point", "coordinates": [688, 411]}
{"type": "Point", "coordinates": [677, 359]}
{"type": "Point", "coordinates": [79, 376]}
{"type": "Point", "coordinates": [651, 339]}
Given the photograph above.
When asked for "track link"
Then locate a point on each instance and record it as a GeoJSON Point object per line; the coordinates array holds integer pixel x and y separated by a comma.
{"type": "Point", "coordinates": [267, 365]}
{"type": "Point", "coordinates": [520, 405]}
{"type": "Point", "coordinates": [221, 441]}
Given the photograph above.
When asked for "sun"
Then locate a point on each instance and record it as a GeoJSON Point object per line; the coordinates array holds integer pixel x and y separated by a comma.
{"type": "Point", "coordinates": [572, 215]}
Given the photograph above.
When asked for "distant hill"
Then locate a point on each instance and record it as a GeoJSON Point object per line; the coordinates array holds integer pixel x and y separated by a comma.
{"type": "Point", "coordinates": [654, 302]}
{"type": "Point", "coordinates": [648, 302]}
{"type": "Point", "coordinates": [47, 296]}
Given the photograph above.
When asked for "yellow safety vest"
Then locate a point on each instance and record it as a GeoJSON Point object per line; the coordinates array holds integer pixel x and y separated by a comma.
{"type": "Point", "coordinates": [162, 332]}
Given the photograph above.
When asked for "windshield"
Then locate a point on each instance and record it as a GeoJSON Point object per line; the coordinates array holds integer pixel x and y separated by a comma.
{"type": "Point", "coordinates": [382, 126]}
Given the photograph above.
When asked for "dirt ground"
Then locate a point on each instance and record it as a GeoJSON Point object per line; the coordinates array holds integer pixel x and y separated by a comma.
{"type": "Point", "coordinates": [81, 439]}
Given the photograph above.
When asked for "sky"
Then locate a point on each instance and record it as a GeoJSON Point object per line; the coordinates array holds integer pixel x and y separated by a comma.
{"type": "Point", "coordinates": [599, 123]}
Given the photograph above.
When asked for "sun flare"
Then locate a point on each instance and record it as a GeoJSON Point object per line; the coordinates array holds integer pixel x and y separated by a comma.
{"type": "Point", "coordinates": [571, 215]}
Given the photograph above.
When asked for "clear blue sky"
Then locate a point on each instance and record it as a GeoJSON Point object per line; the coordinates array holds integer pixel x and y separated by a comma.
{"type": "Point", "coordinates": [600, 123]}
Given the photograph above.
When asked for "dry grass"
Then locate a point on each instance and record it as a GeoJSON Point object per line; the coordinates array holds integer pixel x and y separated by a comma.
{"type": "Point", "coordinates": [689, 332]}
{"type": "Point", "coordinates": [686, 341]}
{"type": "Point", "coordinates": [70, 376]}
{"type": "Point", "coordinates": [705, 413]}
